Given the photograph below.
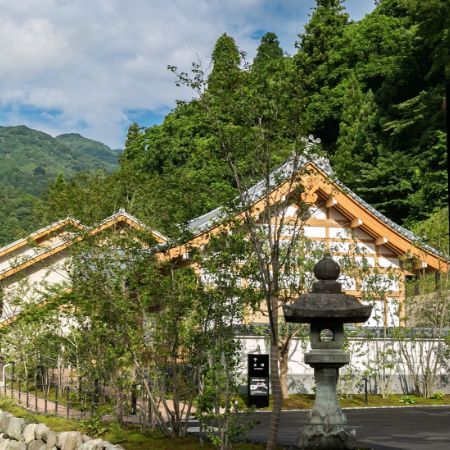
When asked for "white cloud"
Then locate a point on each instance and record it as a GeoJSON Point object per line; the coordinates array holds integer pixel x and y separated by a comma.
{"type": "Point", "coordinates": [95, 59]}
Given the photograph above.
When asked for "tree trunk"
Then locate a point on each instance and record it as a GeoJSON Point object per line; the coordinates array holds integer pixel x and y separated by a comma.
{"type": "Point", "coordinates": [447, 121]}
{"type": "Point", "coordinates": [284, 357]}
{"type": "Point", "coordinates": [277, 399]}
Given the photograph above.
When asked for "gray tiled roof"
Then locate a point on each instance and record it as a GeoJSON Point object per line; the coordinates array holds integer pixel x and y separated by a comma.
{"type": "Point", "coordinates": [257, 191]}
{"type": "Point", "coordinates": [282, 173]}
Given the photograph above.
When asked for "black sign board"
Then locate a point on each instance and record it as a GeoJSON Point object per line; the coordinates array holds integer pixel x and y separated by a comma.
{"type": "Point", "coordinates": [258, 380]}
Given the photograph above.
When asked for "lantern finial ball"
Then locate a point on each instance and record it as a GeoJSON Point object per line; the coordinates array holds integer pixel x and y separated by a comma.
{"type": "Point", "coordinates": [327, 268]}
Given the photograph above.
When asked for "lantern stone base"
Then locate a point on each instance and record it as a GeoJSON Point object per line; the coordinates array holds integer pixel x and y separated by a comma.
{"type": "Point", "coordinates": [326, 437]}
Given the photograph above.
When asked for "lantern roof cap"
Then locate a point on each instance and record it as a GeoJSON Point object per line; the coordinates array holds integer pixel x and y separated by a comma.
{"type": "Point", "coordinates": [327, 301]}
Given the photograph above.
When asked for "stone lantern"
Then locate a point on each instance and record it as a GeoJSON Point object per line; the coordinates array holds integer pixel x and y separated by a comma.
{"type": "Point", "coordinates": [326, 309]}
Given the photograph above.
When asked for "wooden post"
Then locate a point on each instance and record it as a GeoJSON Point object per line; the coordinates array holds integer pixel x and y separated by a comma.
{"type": "Point", "coordinates": [35, 392]}
{"type": "Point", "coordinates": [12, 378]}
{"type": "Point", "coordinates": [68, 398]}
{"type": "Point", "coordinates": [56, 400]}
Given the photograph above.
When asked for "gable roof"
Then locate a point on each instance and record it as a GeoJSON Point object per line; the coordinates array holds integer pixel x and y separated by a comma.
{"type": "Point", "coordinates": [326, 185]}
{"type": "Point", "coordinates": [259, 190]}
{"type": "Point", "coordinates": [39, 234]}
{"type": "Point", "coordinates": [42, 253]}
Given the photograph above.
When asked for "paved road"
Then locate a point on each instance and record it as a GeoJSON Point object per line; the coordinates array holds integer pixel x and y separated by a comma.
{"type": "Point", "coordinates": [418, 428]}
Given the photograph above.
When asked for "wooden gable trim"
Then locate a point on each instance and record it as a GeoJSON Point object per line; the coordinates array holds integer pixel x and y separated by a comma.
{"type": "Point", "coordinates": [120, 218]}
{"type": "Point", "coordinates": [38, 235]}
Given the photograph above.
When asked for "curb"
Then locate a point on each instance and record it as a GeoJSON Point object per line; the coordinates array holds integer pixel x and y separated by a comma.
{"type": "Point", "coordinates": [348, 408]}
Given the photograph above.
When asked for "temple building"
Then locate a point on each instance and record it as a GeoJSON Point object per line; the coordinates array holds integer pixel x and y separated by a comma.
{"type": "Point", "coordinates": [333, 218]}
{"type": "Point", "coordinates": [341, 223]}
{"type": "Point", "coordinates": [338, 221]}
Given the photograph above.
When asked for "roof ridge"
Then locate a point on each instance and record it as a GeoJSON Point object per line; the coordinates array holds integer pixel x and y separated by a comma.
{"type": "Point", "coordinates": [123, 212]}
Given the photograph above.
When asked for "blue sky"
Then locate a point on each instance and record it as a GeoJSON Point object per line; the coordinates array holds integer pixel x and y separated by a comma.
{"type": "Point", "coordinates": [95, 66]}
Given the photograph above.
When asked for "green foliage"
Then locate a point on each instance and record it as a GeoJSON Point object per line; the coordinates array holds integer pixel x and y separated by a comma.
{"type": "Point", "coordinates": [269, 50]}
{"type": "Point", "coordinates": [437, 395]}
{"type": "Point", "coordinates": [90, 148]}
{"type": "Point", "coordinates": [408, 400]}
{"type": "Point", "coordinates": [314, 62]}
{"type": "Point", "coordinates": [434, 230]}
{"type": "Point", "coordinates": [31, 158]}
{"type": "Point", "coordinates": [94, 426]}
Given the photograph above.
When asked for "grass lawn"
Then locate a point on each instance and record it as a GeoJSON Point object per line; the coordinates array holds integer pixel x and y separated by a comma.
{"type": "Point", "coordinates": [133, 439]}
{"type": "Point", "coordinates": [305, 401]}
{"type": "Point", "coordinates": [130, 439]}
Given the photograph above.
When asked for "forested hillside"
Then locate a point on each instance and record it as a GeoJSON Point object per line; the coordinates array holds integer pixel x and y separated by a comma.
{"type": "Point", "coordinates": [29, 160]}
{"type": "Point", "coordinates": [373, 91]}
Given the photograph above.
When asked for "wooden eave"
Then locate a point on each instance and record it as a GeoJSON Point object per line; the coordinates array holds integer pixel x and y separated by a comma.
{"type": "Point", "coordinates": [373, 225]}
{"type": "Point", "coordinates": [118, 219]}
{"type": "Point", "coordinates": [39, 235]}
{"type": "Point", "coordinates": [319, 184]}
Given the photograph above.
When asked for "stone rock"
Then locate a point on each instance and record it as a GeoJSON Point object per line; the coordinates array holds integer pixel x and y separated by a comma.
{"type": "Point", "coordinates": [94, 444]}
{"type": "Point", "coordinates": [4, 443]}
{"type": "Point", "coordinates": [40, 432]}
{"type": "Point", "coordinates": [37, 444]}
{"type": "Point", "coordinates": [28, 432]}
{"type": "Point", "coordinates": [15, 428]}
{"type": "Point", "coordinates": [69, 440]}
{"type": "Point", "coordinates": [13, 445]}
{"type": "Point", "coordinates": [85, 437]}
{"type": "Point", "coordinates": [51, 439]}
{"type": "Point", "coordinates": [4, 421]}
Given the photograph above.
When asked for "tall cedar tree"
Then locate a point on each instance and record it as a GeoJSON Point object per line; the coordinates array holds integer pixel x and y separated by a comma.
{"type": "Point", "coordinates": [321, 36]}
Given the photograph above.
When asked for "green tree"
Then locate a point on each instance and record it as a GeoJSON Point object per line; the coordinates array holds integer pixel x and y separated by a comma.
{"type": "Point", "coordinates": [250, 129]}
{"type": "Point", "coordinates": [226, 61]}
{"type": "Point", "coordinates": [133, 142]}
{"type": "Point", "coordinates": [314, 64]}
{"type": "Point", "coordinates": [269, 50]}
{"type": "Point", "coordinates": [357, 142]}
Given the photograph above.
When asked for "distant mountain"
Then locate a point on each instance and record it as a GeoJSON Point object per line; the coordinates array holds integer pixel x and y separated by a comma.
{"type": "Point", "coordinates": [89, 147]}
{"type": "Point", "coordinates": [29, 160]}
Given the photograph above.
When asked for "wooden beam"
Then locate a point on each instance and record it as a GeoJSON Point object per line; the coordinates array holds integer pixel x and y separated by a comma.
{"type": "Point", "coordinates": [331, 202]}
{"type": "Point", "coordinates": [356, 222]}
{"type": "Point", "coordinates": [381, 240]}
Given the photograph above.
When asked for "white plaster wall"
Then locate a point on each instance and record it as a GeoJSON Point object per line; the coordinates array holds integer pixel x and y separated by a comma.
{"type": "Point", "coordinates": [364, 354]}
{"type": "Point", "coordinates": [34, 286]}
{"type": "Point", "coordinates": [318, 213]}
{"type": "Point", "coordinates": [314, 232]}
